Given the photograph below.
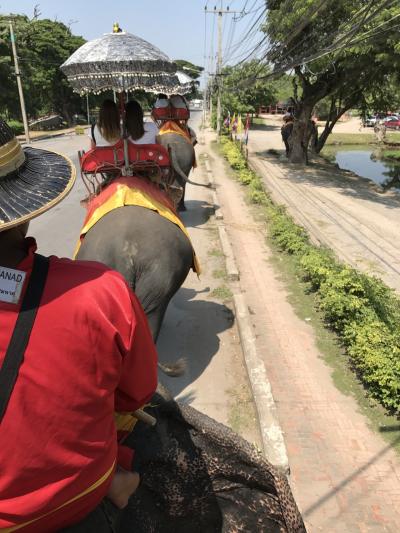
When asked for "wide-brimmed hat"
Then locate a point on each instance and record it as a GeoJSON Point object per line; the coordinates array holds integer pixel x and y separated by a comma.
{"type": "Point", "coordinates": [31, 180]}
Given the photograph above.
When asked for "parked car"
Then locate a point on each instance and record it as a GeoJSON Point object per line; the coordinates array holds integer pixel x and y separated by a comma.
{"type": "Point", "coordinates": [369, 121]}
{"type": "Point", "coordinates": [393, 123]}
{"type": "Point", "coordinates": [391, 117]}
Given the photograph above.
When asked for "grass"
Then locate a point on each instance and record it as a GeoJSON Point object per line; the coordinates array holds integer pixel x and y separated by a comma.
{"type": "Point", "coordinates": [242, 415]}
{"type": "Point", "coordinates": [391, 154]}
{"type": "Point", "coordinates": [215, 252]}
{"type": "Point", "coordinates": [222, 292]}
{"type": "Point", "coordinates": [220, 274]}
{"type": "Point", "coordinates": [359, 138]}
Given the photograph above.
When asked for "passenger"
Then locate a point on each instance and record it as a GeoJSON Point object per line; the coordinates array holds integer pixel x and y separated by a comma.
{"type": "Point", "coordinates": [107, 130]}
{"type": "Point", "coordinates": [162, 101]}
{"type": "Point", "coordinates": [139, 132]}
{"type": "Point", "coordinates": [178, 101]}
{"type": "Point", "coordinates": [88, 353]}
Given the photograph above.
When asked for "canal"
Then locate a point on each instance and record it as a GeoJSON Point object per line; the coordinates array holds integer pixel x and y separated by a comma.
{"type": "Point", "coordinates": [366, 161]}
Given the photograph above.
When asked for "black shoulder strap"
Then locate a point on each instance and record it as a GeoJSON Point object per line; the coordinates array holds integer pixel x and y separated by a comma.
{"type": "Point", "coordinates": [22, 330]}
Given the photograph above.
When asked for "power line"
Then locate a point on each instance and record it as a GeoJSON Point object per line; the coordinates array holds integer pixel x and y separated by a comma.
{"type": "Point", "coordinates": [249, 33]}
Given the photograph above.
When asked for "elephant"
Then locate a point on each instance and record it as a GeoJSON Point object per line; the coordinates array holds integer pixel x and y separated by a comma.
{"type": "Point", "coordinates": [152, 253]}
{"type": "Point", "coordinates": [197, 475]}
{"type": "Point", "coordinates": [182, 160]}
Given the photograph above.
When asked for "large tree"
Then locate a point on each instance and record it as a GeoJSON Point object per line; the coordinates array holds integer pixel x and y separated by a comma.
{"type": "Point", "coordinates": [244, 98]}
{"type": "Point", "coordinates": [43, 45]}
{"type": "Point", "coordinates": [341, 49]}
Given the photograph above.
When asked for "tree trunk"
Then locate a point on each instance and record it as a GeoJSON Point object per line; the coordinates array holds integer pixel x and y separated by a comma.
{"type": "Point", "coordinates": [298, 141]}
{"type": "Point", "coordinates": [330, 123]}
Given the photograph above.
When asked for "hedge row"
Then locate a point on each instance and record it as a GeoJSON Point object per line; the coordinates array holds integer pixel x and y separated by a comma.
{"type": "Point", "coordinates": [361, 309]}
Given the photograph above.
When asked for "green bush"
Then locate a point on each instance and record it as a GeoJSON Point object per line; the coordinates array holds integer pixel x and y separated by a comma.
{"type": "Point", "coordinates": [361, 309]}
{"type": "Point", "coordinates": [16, 126]}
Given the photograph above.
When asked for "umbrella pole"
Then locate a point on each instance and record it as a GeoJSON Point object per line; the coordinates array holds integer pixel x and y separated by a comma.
{"type": "Point", "coordinates": [122, 98]}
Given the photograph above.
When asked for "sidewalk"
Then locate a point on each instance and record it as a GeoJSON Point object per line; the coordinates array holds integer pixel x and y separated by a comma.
{"type": "Point", "coordinates": [345, 478]}
{"type": "Point", "coordinates": [338, 209]}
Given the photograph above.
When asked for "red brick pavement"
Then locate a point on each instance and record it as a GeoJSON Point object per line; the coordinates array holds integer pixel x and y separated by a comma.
{"type": "Point", "coordinates": [344, 476]}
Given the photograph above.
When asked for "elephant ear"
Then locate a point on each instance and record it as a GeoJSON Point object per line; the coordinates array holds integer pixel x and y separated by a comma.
{"type": "Point", "coordinates": [199, 476]}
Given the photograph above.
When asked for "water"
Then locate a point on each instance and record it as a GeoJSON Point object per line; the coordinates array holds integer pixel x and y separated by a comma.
{"type": "Point", "coordinates": [366, 162]}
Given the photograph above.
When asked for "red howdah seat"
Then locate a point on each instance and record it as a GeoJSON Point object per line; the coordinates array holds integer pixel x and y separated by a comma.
{"type": "Point", "coordinates": [170, 113]}
{"type": "Point", "coordinates": [108, 158]}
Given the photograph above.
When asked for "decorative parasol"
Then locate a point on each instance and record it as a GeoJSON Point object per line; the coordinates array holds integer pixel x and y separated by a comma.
{"type": "Point", "coordinates": [186, 82]}
{"type": "Point", "coordinates": [120, 62]}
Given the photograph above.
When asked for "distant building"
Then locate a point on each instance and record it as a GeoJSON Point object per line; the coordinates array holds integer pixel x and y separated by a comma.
{"type": "Point", "coordinates": [280, 108]}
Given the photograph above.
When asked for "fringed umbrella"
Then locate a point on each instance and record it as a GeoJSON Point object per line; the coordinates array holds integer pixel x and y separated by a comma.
{"type": "Point", "coordinates": [120, 62]}
{"type": "Point", "coordinates": [186, 82]}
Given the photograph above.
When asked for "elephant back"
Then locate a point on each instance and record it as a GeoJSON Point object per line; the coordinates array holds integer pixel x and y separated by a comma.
{"type": "Point", "coordinates": [199, 476]}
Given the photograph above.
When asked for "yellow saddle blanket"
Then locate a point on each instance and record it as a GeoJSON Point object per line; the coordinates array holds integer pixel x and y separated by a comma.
{"type": "Point", "coordinates": [132, 191]}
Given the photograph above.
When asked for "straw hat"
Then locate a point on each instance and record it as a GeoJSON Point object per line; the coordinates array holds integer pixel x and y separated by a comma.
{"type": "Point", "coordinates": [31, 180]}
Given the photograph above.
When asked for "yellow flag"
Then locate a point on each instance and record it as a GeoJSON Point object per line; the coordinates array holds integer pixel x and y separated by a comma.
{"type": "Point", "coordinates": [239, 124]}
{"type": "Point", "coordinates": [233, 122]}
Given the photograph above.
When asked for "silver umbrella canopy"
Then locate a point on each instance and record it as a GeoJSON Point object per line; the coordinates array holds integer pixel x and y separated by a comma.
{"type": "Point", "coordinates": [120, 62]}
{"type": "Point", "coordinates": [186, 82]}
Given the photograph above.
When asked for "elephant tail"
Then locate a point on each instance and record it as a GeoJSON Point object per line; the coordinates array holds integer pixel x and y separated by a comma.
{"type": "Point", "coordinates": [173, 369]}
{"type": "Point", "coordinates": [175, 164]}
{"type": "Point", "coordinates": [178, 170]}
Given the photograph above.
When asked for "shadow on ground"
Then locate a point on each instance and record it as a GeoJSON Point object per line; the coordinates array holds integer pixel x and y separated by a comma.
{"type": "Point", "coordinates": [190, 330]}
{"type": "Point", "coordinates": [264, 127]}
{"type": "Point", "coordinates": [197, 213]}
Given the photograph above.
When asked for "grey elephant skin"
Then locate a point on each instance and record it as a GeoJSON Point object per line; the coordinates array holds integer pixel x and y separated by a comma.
{"type": "Point", "coordinates": [182, 159]}
{"type": "Point", "coordinates": [198, 476]}
{"type": "Point", "coordinates": [152, 254]}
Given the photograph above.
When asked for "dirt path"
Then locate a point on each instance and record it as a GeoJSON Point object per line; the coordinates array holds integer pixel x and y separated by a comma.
{"type": "Point", "coordinates": [339, 209]}
{"type": "Point", "coordinates": [345, 478]}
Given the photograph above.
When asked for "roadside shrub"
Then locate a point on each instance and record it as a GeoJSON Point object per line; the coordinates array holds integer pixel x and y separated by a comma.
{"type": "Point", "coordinates": [361, 309]}
{"type": "Point", "coordinates": [16, 126]}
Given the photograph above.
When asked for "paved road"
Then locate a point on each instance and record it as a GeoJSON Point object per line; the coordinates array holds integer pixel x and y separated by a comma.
{"type": "Point", "coordinates": [339, 209]}
{"type": "Point", "coordinates": [198, 325]}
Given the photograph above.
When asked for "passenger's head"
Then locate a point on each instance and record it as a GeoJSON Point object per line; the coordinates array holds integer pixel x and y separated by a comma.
{"type": "Point", "coordinates": [134, 120]}
{"type": "Point", "coordinates": [108, 122]}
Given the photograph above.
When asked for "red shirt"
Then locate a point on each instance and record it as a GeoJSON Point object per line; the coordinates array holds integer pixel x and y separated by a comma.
{"type": "Point", "coordinates": [90, 353]}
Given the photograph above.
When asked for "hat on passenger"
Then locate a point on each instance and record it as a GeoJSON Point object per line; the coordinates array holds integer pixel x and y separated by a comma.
{"type": "Point", "coordinates": [31, 180]}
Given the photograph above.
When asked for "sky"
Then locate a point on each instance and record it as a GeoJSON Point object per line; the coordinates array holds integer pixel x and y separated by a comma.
{"type": "Point", "coordinates": [177, 27]}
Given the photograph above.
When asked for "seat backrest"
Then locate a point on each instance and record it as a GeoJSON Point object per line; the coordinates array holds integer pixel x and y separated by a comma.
{"type": "Point", "coordinates": [170, 113]}
{"type": "Point", "coordinates": [141, 153]}
{"type": "Point", "coordinates": [101, 157]}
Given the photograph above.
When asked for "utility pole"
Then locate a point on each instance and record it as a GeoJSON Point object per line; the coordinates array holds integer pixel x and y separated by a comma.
{"type": "Point", "coordinates": [19, 84]}
{"type": "Point", "coordinates": [220, 12]}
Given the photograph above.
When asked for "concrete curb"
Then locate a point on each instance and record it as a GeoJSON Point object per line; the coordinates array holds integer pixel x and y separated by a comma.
{"type": "Point", "coordinates": [231, 268]}
{"type": "Point", "coordinates": [273, 443]}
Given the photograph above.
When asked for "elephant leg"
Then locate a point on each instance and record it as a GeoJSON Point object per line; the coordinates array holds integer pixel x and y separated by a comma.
{"type": "Point", "coordinates": [181, 205]}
